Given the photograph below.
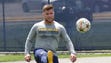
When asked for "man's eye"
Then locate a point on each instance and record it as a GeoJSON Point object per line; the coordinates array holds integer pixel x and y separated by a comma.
{"type": "Point", "coordinates": [51, 13]}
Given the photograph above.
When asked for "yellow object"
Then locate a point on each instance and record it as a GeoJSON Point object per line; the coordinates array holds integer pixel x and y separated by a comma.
{"type": "Point", "coordinates": [50, 56]}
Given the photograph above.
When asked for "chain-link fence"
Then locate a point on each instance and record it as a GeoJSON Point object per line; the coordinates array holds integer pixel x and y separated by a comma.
{"type": "Point", "coordinates": [18, 16]}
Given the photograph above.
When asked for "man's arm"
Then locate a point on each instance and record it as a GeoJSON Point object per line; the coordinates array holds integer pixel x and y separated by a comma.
{"type": "Point", "coordinates": [29, 39]}
{"type": "Point", "coordinates": [67, 40]}
{"type": "Point", "coordinates": [69, 44]}
{"type": "Point", "coordinates": [28, 44]}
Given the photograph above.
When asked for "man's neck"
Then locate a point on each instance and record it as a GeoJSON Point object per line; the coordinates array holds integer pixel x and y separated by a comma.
{"type": "Point", "coordinates": [46, 22]}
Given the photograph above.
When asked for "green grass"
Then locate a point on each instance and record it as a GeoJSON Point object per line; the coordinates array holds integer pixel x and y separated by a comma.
{"type": "Point", "coordinates": [80, 55]}
{"type": "Point", "coordinates": [20, 57]}
{"type": "Point", "coordinates": [10, 57]}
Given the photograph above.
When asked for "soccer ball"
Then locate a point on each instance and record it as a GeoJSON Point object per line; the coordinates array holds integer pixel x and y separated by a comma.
{"type": "Point", "coordinates": [83, 25]}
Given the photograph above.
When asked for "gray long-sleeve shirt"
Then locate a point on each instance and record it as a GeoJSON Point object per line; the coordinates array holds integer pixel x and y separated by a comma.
{"type": "Point", "coordinates": [47, 36]}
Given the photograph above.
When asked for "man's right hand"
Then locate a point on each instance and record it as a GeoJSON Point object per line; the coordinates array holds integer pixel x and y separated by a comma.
{"type": "Point", "coordinates": [27, 58]}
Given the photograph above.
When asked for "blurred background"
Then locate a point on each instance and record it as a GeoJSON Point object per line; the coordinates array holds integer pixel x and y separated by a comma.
{"type": "Point", "coordinates": [18, 16]}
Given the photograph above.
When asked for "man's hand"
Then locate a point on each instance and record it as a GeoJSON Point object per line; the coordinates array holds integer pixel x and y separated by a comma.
{"type": "Point", "coordinates": [73, 57]}
{"type": "Point", "coordinates": [27, 58]}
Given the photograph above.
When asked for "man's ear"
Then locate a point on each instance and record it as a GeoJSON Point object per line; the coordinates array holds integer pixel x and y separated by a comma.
{"type": "Point", "coordinates": [42, 14]}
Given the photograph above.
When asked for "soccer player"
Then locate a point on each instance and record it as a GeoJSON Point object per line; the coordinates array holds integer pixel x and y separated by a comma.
{"type": "Point", "coordinates": [47, 34]}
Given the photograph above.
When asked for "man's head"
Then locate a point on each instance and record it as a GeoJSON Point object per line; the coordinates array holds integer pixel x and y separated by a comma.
{"type": "Point", "coordinates": [48, 13]}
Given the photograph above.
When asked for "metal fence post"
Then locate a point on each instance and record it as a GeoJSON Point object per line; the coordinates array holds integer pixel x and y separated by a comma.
{"type": "Point", "coordinates": [4, 28]}
{"type": "Point", "coordinates": [48, 1]}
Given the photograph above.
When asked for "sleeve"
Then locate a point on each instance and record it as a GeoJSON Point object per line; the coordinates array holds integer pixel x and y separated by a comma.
{"type": "Point", "coordinates": [30, 37]}
{"type": "Point", "coordinates": [68, 41]}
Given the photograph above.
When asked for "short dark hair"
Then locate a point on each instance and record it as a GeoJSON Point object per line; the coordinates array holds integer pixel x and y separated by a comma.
{"type": "Point", "coordinates": [47, 7]}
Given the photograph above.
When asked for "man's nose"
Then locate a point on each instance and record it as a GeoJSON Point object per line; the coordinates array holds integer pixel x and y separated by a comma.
{"type": "Point", "coordinates": [50, 15]}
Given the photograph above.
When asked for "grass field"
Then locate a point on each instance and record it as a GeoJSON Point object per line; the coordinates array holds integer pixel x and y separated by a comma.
{"type": "Point", "coordinates": [20, 57]}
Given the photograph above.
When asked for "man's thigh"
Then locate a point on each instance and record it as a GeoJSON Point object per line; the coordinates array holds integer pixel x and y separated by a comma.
{"type": "Point", "coordinates": [41, 56]}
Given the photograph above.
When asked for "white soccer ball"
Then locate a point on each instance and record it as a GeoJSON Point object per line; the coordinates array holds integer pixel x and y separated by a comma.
{"type": "Point", "coordinates": [83, 25]}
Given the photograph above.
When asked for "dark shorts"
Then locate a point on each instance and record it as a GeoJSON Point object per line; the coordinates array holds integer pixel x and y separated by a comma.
{"type": "Point", "coordinates": [40, 56]}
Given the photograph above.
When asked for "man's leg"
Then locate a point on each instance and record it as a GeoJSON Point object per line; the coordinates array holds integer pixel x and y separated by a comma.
{"type": "Point", "coordinates": [55, 59]}
{"type": "Point", "coordinates": [40, 55]}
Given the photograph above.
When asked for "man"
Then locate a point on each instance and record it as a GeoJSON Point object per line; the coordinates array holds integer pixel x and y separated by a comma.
{"type": "Point", "coordinates": [47, 34]}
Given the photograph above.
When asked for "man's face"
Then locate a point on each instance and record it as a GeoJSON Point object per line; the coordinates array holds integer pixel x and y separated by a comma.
{"type": "Point", "coordinates": [48, 15]}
